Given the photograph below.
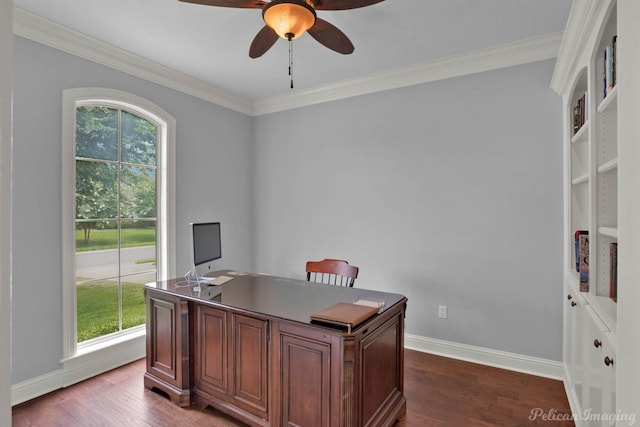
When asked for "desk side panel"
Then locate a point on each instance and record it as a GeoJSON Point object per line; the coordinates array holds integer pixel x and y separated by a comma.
{"type": "Point", "coordinates": [167, 346]}
{"type": "Point", "coordinates": [382, 366]}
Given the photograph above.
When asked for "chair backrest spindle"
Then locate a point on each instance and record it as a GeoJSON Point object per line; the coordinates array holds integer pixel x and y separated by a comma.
{"type": "Point", "coordinates": [332, 271]}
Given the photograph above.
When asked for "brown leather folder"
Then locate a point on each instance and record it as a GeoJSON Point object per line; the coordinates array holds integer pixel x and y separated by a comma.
{"type": "Point", "coordinates": [344, 314]}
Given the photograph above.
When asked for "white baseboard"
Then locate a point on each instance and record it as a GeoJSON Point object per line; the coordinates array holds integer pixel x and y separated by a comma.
{"type": "Point", "coordinates": [485, 356]}
{"type": "Point", "coordinates": [79, 368]}
{"type": "Point", "coordinates": [94, 363]}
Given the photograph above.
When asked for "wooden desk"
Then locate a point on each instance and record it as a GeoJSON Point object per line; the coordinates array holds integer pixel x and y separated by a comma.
{"type": "Point", "coordinates": [249, 349]}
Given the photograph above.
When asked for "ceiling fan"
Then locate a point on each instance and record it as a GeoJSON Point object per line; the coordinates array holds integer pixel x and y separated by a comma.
{"type": "Point", "coordinates": [289, 19]}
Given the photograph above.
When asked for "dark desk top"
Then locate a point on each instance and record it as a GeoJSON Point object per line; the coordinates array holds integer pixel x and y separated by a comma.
{"type": "Point", "coordinates": [288, 299]}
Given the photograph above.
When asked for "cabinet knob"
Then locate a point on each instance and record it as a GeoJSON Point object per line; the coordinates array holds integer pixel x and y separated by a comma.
{"type": "Point", "coordinates": [597, 343]}
{"type": "Point", "coordinates": [569, 296]}
{"type": "Point", "coordinates": [573, 303]}
{"type": "Point", "coordinates": [608, 361]}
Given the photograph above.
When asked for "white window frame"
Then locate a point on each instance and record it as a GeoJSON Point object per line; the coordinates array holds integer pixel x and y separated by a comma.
{"type": "Point", "coordinates": [71, 99]}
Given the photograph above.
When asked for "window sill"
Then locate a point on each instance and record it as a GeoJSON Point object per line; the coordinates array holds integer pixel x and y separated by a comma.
{"type": "Point", "coordinates": [103, 355]}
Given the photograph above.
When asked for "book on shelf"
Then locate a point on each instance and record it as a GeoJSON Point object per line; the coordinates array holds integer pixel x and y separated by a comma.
{"type": "Point", "coordinates": [578, 233]}
{"type": "Point", "coordinates": [582, 258]}
{"type": "Point", "coordinates": [613, 271]}
{"type": "Point", "coordinates": [609, 67]}
{"type": "Point", "coordinates": [614, 42]}
{"type": "Point", "coordinates": [579, 113]}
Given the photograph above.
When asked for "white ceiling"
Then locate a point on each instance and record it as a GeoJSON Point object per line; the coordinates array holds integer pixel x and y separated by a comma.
{"type": "Point", "coordinates": [212, 43]}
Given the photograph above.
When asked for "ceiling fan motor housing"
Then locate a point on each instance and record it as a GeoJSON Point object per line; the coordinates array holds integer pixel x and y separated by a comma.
{"type": "Point", "coordinates": [289, 18]}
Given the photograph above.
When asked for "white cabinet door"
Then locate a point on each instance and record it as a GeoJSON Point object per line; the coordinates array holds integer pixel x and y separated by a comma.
{"type": "Point", "coordinates": [609, 351]}
{"type": "Point", "coordinates": [574, 333]}
{"type": "Point", "coordinates": [599, 375]}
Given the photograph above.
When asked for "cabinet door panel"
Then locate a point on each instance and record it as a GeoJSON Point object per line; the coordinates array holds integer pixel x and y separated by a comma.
{"type": "Point", "coordinates": [163, 353]}
{"type": "Point", "coordinates": [211, 350]}
{"type": "Point", "coordinates": [576, 336]}
{"type": "Point", "coordinates": [306, 381]}
{"type": "Point", "coordinates": [608, 366]}
{"type": "Point", "coordinates": [250, 373]}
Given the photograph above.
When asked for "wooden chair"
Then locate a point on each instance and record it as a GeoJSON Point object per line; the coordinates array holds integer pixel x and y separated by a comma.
{"type": "Point", "coordinates": [332, 272]}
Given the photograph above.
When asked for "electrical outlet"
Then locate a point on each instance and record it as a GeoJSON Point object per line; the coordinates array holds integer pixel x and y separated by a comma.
{"type": "Point", "coordinates": [442, 312]}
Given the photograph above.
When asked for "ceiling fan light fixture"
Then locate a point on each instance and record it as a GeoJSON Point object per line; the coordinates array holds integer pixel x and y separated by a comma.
{"type": "Point", "coordinates": [287, 18]}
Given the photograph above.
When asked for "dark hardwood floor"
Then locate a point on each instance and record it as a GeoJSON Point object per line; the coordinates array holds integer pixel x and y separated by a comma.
{"type": "Point", "coordinates": [440, 392]}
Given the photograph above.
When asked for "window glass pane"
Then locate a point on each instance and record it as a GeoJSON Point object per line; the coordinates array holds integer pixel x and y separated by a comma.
{"type": "Point", "coordinates": [115, 219]}
{"type": "Point", "coordinates": [138, 140]}
{"type": "Point", "coordinates": [133, 304]}
{"type": "Point", "coordinates": [138, 192]}
{"type": "Point", "coordinates": [96, 250]}
{"type": "Point", "coordinates": [96, 190]}
{"type": "Point", "coordinates": [97, 309]}
{"type": "Point", "coordinates": [97, 133]}
{"type": "Point", "coordinates": [138, 253]}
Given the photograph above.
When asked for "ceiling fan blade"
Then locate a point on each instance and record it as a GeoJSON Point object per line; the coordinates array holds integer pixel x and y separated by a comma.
{"type": "Point", "coordinates": [262, 42]}
{"type": "Point", "coordinates": [342, 4]}
{"type": "Point", "coordinates": [249, 4]}
{"type": "Point", "coordinates": [330, 36]}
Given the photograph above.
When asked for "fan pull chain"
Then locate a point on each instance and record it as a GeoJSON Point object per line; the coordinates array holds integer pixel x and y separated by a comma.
{"type": "Point", "coordinates": [290, 37]}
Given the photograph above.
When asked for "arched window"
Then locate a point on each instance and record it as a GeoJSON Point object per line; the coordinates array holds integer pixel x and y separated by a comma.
{"type": "Point", "coordinates": [118, 203]}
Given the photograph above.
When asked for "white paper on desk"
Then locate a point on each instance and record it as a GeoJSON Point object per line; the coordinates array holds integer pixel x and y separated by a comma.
{"type": "Point", "coordinates": [370, 303]}
{"type": "Point", "coordinates": [219, 280]}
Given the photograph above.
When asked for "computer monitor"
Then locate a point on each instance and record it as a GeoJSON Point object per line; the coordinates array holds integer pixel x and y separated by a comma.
{"type": "Point", "coordinates": [206, 247]}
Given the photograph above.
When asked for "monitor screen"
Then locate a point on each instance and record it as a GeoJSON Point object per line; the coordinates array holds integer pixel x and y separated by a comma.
{"type": "Point", "coordinates": [205, 245]}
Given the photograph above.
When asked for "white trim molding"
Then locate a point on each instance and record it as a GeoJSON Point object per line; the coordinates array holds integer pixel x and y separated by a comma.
{"type": "Point", "coordinates": [166, 203]}
{"type": "Point", "coordinates": [38, 29]}
{"type": "Point", "coordinates": [48, 33]}
{"type": "Point", "coordinates": [583, 18]}
{"type": "Point", "coordinates": [485, 356]}
{"type": "Point", "coordinates": [87, 365]}
{"type": "Point", "coordinates": [6, 206]}
{"type": "Point", "coordinates": [507, 55]}
{"type": "Point", "coordinates": [80, 368]}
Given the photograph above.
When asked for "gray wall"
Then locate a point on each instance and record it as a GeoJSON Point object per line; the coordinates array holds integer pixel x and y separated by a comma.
{"type": "Point", "coordinates": [213, 183]}
{"type": "Point", "coordinates": [449, 193]}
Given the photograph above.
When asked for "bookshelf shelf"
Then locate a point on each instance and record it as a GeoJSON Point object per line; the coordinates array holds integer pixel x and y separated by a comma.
{"type": "Point", "coordinates": [610, 102]}
{"type": "Point", "coordinates": [584, 178]}
{"type": "Point", "coordinates": [581, 134]}
{"type": "Point", "coordinates": [608, 166]}
{"type": "Point", "coordinates": [606, 309]}
{"type": "Point", "coordinates": [608, 231]}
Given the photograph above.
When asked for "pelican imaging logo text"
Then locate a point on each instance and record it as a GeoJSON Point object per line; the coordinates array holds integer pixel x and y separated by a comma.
{"type": "Point", "coordinates": [586, 415]}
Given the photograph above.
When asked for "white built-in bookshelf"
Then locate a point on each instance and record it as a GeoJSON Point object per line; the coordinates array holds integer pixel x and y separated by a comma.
{"type": "Point", "coordinates": [591, 205]}
{"type": "Point", "coordinates": [594, 166]}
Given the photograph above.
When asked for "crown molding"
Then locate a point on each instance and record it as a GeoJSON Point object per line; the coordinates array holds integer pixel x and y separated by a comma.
{"type": "Point", "coordinates": [38, 29]}
{"type": "Point", "coordinates": [507, 55]}
{"type": "Point", "coordinates": [581, 22]}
